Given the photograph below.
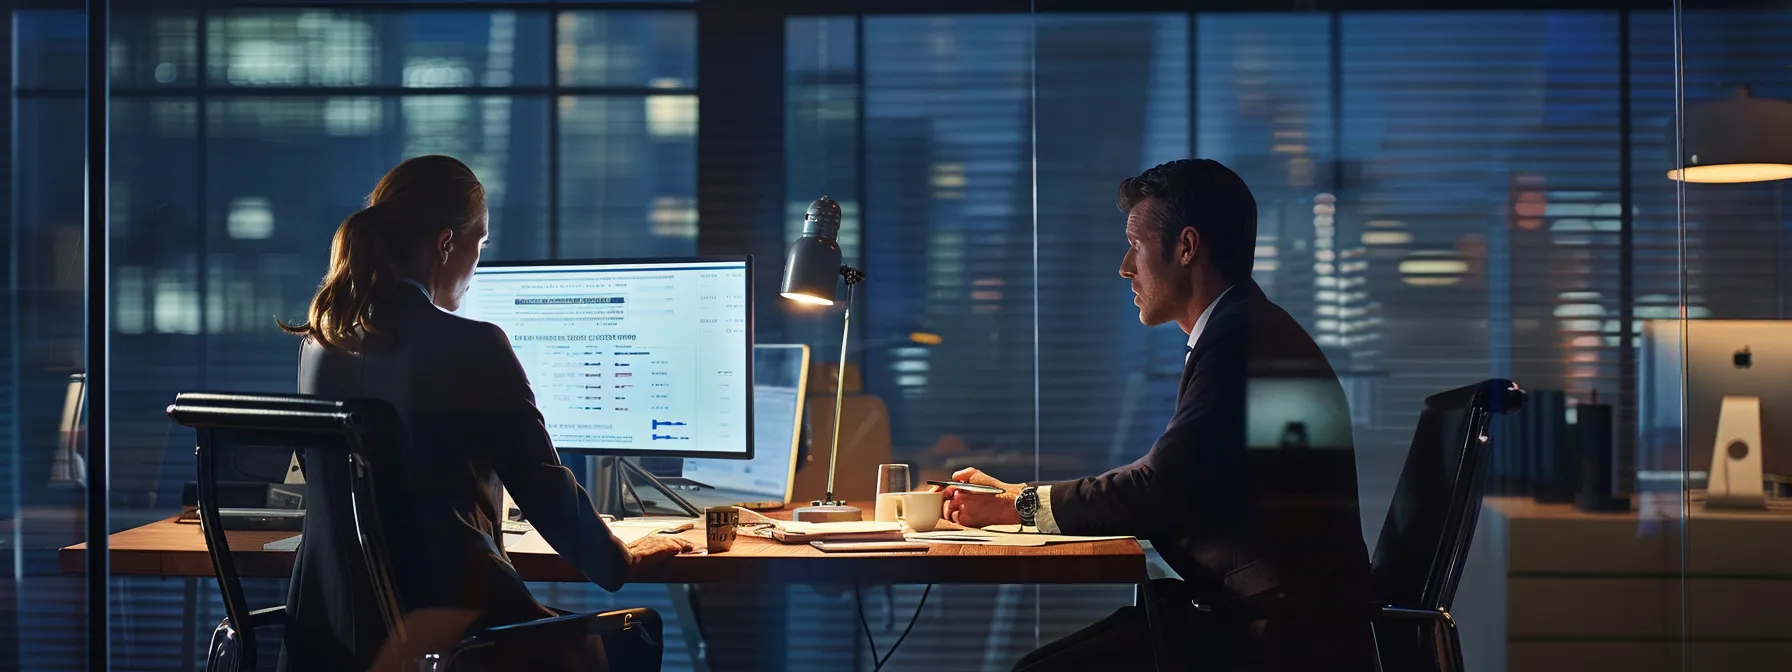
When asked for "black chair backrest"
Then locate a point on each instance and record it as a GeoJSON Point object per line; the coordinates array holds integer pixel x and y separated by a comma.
{"type": "Point", "coordinates": [362, 433]}
{"type": "Point", "coordinates": [1425, 540]}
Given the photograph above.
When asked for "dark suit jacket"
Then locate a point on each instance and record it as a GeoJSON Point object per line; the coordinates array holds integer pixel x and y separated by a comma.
{"type": "Point", "coordinates": [1269, 536]}
{"type": "Point", "coordinates": [470, 421]}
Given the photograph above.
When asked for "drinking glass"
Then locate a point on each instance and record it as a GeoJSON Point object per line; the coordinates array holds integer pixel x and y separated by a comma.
{"type": "Point", "coordinates": [893, 478]}
{"type": "Point", "coordinates": [892, 481]}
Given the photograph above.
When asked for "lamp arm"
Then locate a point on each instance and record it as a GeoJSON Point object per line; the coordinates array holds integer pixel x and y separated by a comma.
{"type": "Point", "coordinates": [840, 386]}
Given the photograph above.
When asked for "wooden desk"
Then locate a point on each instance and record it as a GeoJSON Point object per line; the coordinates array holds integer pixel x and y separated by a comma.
{"type": "Point", "coordinates": [1549, 587]}
{"type": "Point", "coordinates": [168, 548]}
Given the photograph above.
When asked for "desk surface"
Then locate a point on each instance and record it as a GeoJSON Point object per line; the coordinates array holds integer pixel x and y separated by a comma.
{"type": "Point", "coordinates": [168, 548]}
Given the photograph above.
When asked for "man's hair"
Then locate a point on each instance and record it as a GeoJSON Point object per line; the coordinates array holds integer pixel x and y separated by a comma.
{"type": "Point", "coordinates": [1203, 194]}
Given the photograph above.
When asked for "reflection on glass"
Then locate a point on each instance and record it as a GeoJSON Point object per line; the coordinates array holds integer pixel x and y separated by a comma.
{"type": "Point", "coordinates": [656, 49]}
{"type": "Point", "coordinates": [269, 234]}
{"type": "Point", "coordinates": [287, 48]}
{"type": "Point", "coordinates": [50, 51]}
{"type": "Point", "coordinates": [822, 95]}
{"type": "Point", "coordinates": [950, 230]}
{"type": "Point", "coordinates": [317, 47]}
{"type": "Point", "coordinates": [42, 510]}
{"type": "Point", "coordinates": [626, 190]}
{"type": "Point", "coordinates": [157, 49]}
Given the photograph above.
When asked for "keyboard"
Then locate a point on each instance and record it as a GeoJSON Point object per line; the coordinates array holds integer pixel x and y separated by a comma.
{"type": "Point", "coordinates": [685, 483]}
{"type": "Point", "coordinates": [266, 520]}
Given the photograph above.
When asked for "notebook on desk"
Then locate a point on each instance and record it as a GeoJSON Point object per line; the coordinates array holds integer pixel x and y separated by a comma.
{"type": "Point", "coordinates": [799, 532]}
{"type": "Point", "coordinates": [803, 533]}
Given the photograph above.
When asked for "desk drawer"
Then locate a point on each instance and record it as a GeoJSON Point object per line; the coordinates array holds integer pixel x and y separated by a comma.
{"type": "Point", "coordinates": [1626, 608]}
{"type": "Point", "coordinates": [1646, 656]}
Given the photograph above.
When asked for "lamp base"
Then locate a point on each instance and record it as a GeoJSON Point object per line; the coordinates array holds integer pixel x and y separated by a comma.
{"type": "Point", "coordinates": [831, 512]}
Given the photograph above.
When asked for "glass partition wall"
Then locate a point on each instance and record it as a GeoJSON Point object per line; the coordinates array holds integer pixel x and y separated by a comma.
{"type": "Point", "coordinates": [43, 475]}
{"type": "Point", "coordinates": [1734, 454]}
{"type": "Point", "coordinates": [1444, 196]}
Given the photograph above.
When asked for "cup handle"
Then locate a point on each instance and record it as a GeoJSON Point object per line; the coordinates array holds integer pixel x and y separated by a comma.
{"type": "Point", "coordinates": [900, 513]}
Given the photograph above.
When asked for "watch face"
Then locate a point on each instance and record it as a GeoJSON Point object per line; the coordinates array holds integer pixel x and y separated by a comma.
{"type": "Point", "coordinates": [1028, 502]}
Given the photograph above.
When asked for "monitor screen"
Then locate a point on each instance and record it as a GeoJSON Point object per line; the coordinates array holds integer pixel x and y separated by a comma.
{"type": "Point", "coordinates": [780, 377]}
{"type": "Point", "coordinates": [1284, 412]}
{"type": "Point", "coordinates": [631, 357]}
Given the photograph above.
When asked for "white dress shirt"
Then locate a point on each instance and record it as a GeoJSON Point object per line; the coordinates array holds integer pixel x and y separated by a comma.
{"type": "Point", "coordinates": [1049, 524]}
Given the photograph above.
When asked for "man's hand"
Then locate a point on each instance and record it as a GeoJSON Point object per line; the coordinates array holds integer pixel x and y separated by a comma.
{"type": "Point", "coordinates": [654, 549]}
{"type": "Point", "coordinates": [975, 509]}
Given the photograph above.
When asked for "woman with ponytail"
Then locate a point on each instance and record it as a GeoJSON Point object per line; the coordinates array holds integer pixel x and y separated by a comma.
{"type": "Point", "coordinates": [382, 326]}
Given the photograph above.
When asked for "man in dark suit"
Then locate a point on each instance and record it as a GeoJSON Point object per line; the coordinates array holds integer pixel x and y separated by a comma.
{"type": "Point", "coordinates": [1250, 493]}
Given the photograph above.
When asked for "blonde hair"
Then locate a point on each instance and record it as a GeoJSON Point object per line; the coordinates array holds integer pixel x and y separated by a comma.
{"type": "Point", "coordinates": [412, 204]}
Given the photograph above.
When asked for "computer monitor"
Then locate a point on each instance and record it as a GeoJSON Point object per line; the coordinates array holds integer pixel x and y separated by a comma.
{"type": "Point", "coordinates": [1714, 359]}
{"type": "Point", "coordinates": [780, 383]}
{"type": "Point", "coordinates": [631, 357]}
{"type": "Point", "coordinates": [1295, 412]}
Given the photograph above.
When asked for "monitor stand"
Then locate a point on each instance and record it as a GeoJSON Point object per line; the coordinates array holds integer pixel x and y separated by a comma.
{"type": "Point", "coordinates": [1734, 480]}
{"type": "Point", "coordinates": [615, 484]}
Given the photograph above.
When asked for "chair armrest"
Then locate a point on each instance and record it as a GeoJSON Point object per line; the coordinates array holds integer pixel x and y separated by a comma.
{"type": "Point", "coordinates": [572, 626]}
{"type": "Point", "coordinates": [551, 632]}
{"type": "Point", "coordinates": [1437, 615]}
{"type": "Point", "coordinates": [261, 618]}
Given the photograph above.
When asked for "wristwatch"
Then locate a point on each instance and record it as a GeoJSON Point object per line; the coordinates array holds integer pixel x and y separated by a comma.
{"type": "Point", "coordinates": [1027, 505]}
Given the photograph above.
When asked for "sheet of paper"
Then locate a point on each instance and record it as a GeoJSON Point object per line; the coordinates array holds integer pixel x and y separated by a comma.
{"type": "Point", "coordinates": [849, 527]}
{"type": "Point", "coordinates": [653, 523]}
{"type": "Point", "coordinates": [534, 543]}
{"type": "Point", "coordinates": [999, 535]}
{"type": "Point", "coordinates": [763, 525]}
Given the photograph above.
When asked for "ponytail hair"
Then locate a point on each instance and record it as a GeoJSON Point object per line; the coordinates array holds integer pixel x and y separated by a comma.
{"type": "Point", "coordinates": [409, 207]}
{"type": "Point", "coordinates": [361, 267]}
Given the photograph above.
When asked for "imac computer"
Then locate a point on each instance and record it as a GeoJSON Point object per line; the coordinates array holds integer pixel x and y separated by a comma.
{"type": "Point", "coordinates": [631, 357]}
{"type": "Point", "coordinates": [780, 383]}
{"type": "Point", "coordinates": [1733, 378]}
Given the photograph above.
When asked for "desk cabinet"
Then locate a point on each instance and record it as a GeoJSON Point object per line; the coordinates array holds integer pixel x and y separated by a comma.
{"type": "Point", "coordinates": [1551, 588]}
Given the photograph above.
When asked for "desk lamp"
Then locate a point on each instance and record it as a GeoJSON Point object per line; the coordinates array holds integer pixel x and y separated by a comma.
{"type": "Point", "coordinates": [810, 270]}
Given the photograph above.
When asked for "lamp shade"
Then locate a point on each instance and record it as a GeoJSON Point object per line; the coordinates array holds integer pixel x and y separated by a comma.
{"type": "Point", "coordinates": [812, 267]}
{"type": "Point", "coordinates": [1739, 139]}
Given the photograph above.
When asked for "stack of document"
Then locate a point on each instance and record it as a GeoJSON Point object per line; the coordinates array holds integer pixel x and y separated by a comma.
{"type": "Point", "coordinates": [798, 532]}
{"type": "Point", "coordinates": [793, 532]}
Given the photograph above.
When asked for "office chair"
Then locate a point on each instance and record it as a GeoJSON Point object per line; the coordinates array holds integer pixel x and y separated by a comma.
{"type": "Point", "coordinates": [1425, 540]}
{"type": "Point", "coordinates": [365, 434]}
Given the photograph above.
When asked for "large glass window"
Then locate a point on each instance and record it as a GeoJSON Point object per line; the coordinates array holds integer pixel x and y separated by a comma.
{"type": "Point", "coordinates": [1444, 196]}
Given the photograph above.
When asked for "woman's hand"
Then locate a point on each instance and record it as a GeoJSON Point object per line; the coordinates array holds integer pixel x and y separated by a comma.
{"type": "Point", "coordinates": [653, 549]}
